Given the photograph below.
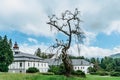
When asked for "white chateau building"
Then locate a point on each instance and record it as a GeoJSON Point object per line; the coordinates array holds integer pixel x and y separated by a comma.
{"type": "Point", "coordinates": [23, 61]}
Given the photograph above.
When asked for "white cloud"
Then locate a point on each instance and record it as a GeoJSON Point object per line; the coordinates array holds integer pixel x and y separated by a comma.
{"type": "Point", "coordinates": [32, 48]}
{"type": "Point", "coordinates": [113, 27]}
{"type": "Point", "coordinates": [30, 16]}
{"type": "Point", "coordinates": [26, 16]}
{"type": "Point", "coordinates": [32, 40]}
{"type": "Point", "coordinates": [86, 51]}
{"type": "Point", "coordinates": [90, 51]}
{"type": "Point", "coordinates": [9, 8]}
{"type": "Point", "coordinates": [91, 7]}
{"type": "Point", "coordinates": [90, 38]}
{"type": "Point", "coordinates": [36, 29]}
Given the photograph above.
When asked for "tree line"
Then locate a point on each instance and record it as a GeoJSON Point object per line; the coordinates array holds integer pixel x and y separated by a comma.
{"type": "Point", "coordinates": [105, 66]}
{"type": "Point", "coordinates": [6, 54]}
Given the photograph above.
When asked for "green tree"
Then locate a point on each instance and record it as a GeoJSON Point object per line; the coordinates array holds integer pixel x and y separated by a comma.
{"type": "Point", "coordinates": [0, 38]}
{"type": "Point", "coordinates": [107, 63]}
{"type": "Point", "coordinates": [117, 65]}
{"type": "Point", "coordinates": [10, 43]}
{"type": "Point", "coordinates": [91, 69]}
{"type": "Point", "coordinates": [92, 60]}
{"type": "Point", "coordinates": [96, 63]}
{"type": "Point", "coordinates": [44, 55]}
{"type": "Point", "coordinates": [38, 52]}
{"type": "Point", "coordinates": [58, 70]}
{"type": "Point", "coordinates": [6, 54]}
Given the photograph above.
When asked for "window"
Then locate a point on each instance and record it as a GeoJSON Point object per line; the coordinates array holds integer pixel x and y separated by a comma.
{"type": "Point", "coordinates": [41, 64]}
{"type": "Point", "coordinates": [83, 67]}
{"type": "Point", "coordinates": [28, 64]}
{"type": "Point", "coordinates": [38, 64]}
{"type": "Point", "coordinates": [16, 52]}
{"type": "Point", "coordinates": [45, 65]}
{"type": "Point", "coordinates": [75, 67]}
{"type": "Point", "coordinates": [34, 64]}
{"type": "Point", "coordinates": [20, 64]}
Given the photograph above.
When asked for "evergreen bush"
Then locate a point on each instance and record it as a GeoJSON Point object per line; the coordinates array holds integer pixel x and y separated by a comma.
{"type": "Point", "coordinates": [32, 70]}
{"type": "Point", "coordinates": [103, 73]}
{"type": "Point", "coordinates": [79, 73]}
{"type": "Point", "coordinates": [117, 74]}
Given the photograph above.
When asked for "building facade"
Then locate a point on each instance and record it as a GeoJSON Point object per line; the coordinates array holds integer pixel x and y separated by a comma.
{"type": "Point", "coordinates": [23, 61]}
{"type": "Point", "coordinates": [78, 64]}
{"type": "Point", "coordinates": [81, 64]}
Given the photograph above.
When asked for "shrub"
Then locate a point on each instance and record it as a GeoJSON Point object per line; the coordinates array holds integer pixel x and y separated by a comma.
{"type": "Point", "coordinates": [32, 70]}
{"type": "Point", "coordinates": [93, 73]}
{"type": "Point", "coordinates": [61, 69]}
{"type": "Point", "coordinates": [91, 69]}
{"type": "Point", "coordinates": [58, 70]}
{"type": "Point", "coordinates": [79, 73]}
{"type": "Point", "coordinates": [103, 73]}
{"type": "Point", "coordinates": [117, 74]}
{"type": "Point", "coordinates": [54, 69]}
{"type": "Point", "coordinates": [117, 69]}
{"type": "Point", "coordinates": [3, 68]}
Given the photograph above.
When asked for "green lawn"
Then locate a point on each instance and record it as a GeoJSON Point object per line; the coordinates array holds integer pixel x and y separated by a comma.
{"type": "Point", "coordinates": [10, 76]}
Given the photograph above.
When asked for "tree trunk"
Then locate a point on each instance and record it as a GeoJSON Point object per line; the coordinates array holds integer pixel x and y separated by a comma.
{"type": "Point", "coordinates": [67, 62]}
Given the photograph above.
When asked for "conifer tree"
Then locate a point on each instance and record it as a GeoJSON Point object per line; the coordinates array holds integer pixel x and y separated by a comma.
{"type": "Point", "coordinates": [6, 54]}
{"type": "Point", "coordinates": [38, 52]}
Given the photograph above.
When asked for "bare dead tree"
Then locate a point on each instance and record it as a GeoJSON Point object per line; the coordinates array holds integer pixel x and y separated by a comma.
{"type": "Point", "coordinates": [69, 25]}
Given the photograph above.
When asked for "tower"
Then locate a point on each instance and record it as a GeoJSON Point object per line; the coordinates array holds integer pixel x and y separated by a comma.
{"type": "Point", "coordinates": [16, 48]}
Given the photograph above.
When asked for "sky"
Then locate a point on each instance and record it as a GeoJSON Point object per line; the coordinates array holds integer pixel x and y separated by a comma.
{"type": "Point", "coordinates": [24, 21]}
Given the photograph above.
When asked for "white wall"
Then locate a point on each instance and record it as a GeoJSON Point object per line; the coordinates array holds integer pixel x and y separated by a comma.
{"type": "Point", "coordinates": [16, 65]}
{"type": "Point", "coordinates": [82, 68]}
{"type": "Point", "coordinates": [42, 66]}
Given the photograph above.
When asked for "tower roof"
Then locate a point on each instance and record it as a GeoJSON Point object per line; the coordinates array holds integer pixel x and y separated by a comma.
{"type": "Point", "coordinates": [15, 46]}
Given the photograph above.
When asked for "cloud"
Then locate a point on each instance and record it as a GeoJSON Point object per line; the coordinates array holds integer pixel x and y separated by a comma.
{"type": "Point", "coordinates": [33, 40]}
{"type": "Point", "coordinates": [30, 16]}
{"type": "Point", "coordinates": [26, 16]}
{"type": "Point", "coordinates": [105, 14]}
{"type": "Point", "coordinates": [113, 27]}
{"type": "Point", "coordinates": [90, 38]}
{"type": "Point", "coordinates": [26, 48]}
{"type": "Point", "coordinates": [86, 51]}
{"type": "Point", "coordinates": [91, 51]}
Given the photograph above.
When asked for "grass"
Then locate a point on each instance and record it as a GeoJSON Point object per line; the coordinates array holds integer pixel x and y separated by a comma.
{"type": "Point", "coordinates": [10, 76]}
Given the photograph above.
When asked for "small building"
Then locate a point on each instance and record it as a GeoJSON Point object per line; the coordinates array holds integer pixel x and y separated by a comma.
{"type": "Point", "coordinates": [78, 64]}
{"type": "Point", "coordinates": [23, 61]}
{"type": "Point", "coordinates": [81, 64]}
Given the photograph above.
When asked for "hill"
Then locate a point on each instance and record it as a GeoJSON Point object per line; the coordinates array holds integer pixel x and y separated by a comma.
{"type": "Point", "coordinates": [115, 55]}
